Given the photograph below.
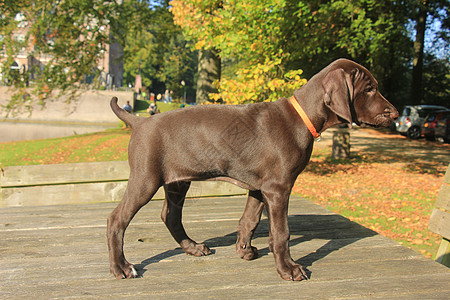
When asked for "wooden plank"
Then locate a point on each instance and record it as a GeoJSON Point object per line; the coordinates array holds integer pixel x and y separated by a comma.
{"type": "Point", "coordinates": [440, 216]}
{"type": "Point", "coordinates": [99, 192]}
{"type": "Point", "coordinates": [447, 175]}
{"type": "Point", "coordinates": [17, 176]}
{"type": "Point", "coordinates": [60, 251]}
{"type": "Point", "coordinates": [62, 194]}
{"type": "Point", "coordinates": [440, 223]}
{"type": "Point", "coordinates": [443, 254]}
{"type": "Point", "coordinates": [443, 199]}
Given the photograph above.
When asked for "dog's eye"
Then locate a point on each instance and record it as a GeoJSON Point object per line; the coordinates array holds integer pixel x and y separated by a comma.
{"type": "Point", "coordinates": [369, 89]}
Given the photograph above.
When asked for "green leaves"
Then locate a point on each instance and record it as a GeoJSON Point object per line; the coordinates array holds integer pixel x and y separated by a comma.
{"type": "Point", "coordinates": [309, 34]}
{"type": "Point", "coordinates": [63, 41]}
{"type": "Point", "coordinates": [259, 82]}
{"type": "Point", "coordinates": [249, 37]}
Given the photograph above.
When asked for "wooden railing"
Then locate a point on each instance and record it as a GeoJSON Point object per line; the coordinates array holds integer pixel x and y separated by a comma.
{"type": "Point", "coordinates": [83, 183]}
{"type": "Point", "coordinates": [440, 220]}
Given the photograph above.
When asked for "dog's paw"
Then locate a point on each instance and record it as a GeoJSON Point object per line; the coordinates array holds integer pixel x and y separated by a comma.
{"type": "Point", "coordinates": [293, 272]}
{"type": "Point", "coordinates": [246, 252]}
{"type": "Point", "coordinates": [192, 248]}
{"type": "Point", "coordinates": [127, 271]}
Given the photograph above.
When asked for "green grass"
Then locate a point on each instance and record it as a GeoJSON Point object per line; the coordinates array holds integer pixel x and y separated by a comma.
{"type": "Point", "coordinates": [103, 146]}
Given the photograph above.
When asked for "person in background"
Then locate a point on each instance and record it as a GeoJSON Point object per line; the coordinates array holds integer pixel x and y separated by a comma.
{"type": "Point", "coordinates": [152, 109]}
{"type": "Point", "coordinates": [166, 96]}
{"type": "Point", "coordinates": [128, 107]}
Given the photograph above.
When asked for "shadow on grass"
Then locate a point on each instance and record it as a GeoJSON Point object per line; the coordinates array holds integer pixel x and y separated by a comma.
{"type": "Point", "coordinates": [331, 166]}
{"type": "Point", "coordinates": [141, 105]}
{"type": "Point", "coordinates": [419, 157]}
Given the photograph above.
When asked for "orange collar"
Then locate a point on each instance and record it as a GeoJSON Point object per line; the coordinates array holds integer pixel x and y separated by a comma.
{"type": "Point", "coordinates": [305, 118]}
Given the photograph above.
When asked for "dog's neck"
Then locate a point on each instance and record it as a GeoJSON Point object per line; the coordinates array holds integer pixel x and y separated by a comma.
{"type": "Point", "coordinates": [311, 99]}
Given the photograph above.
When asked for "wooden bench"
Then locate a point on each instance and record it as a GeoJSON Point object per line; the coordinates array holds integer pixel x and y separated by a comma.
{"type": "Point", "coordinates": [440, 221]}
{"type": "Point", "coordinates": [83, 183]}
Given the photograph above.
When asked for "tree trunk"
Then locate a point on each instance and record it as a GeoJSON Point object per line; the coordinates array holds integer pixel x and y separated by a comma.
{"type": "Point", "coordinates": [341, 145]}
{"type": "Point", "coordinates": [417, 73]}
{"type": "Point", "coordinates": [208, 71]}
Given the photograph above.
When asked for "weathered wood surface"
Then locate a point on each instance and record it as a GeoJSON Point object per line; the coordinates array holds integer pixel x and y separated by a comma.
{"type": "Point", "coordinates": [60, 251]}
{"type": "Point", "coordinates": [99, 192]}
{"type": "Point", "coordinates": [440, 217]}
{"type": "Point", "coordinates": [82, 183]}
{"type": "Point", "coordinates": [440, 223]}
{"type": "Point", "coordinates": [440, 220]}
{"type": "Point", "coordinates": [17, 176]}
{"type": "Point", "coordinates": [443, 253]}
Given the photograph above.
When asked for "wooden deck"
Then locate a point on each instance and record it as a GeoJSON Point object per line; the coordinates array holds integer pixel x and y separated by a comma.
{"type": "Point", "coordinates": [60, 252]}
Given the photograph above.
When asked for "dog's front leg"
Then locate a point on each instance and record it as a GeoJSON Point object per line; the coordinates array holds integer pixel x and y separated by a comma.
{"type": "Point", "coordinates": [277, 209]}
{"type": "Point", "coordinates": [247, 225]}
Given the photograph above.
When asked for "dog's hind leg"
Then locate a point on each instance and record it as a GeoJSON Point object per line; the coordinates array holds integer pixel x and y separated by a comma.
{"type": "Point", "coordinates": [138, 193]}
{"type": "Point", "coordinates": [247, 225]}
{"type": "Point", "coordinates": [171, 215]}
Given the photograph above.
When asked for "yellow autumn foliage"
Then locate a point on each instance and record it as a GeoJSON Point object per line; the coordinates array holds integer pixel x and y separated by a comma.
{"type": "Point", "coordinates": [262, 82]}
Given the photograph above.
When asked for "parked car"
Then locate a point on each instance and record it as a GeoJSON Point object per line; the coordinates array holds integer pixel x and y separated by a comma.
{"type": "Point", "coordinates": [410, 122]}
{"type": "Point", "coordinates": [429, 126]}
{"type": "Point", "coordinates": [442, 131]}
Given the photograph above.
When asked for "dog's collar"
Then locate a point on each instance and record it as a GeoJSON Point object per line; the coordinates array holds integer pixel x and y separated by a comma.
{"type": "Point", "coordinates": [305, 118]}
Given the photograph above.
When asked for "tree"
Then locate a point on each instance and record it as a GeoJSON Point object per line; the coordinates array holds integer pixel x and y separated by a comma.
{"type": "Point", "coordinates": [70, 35]}
{"type": "Point", "coordinates": [373, 33]}
{"type": "Point", "coordinates": [68, 38]}
{"type": "Point", "coordinates": [267, 43]}
{"type": "Point", "coordinates": [436, 80]}
{"type": "Point", "coordinates": [155, 47]}
{"type": "Point", "coordinates": [209, 70]}
{"type": "Point", "coordinates": [417, 70]}
{"type": "Point", "coordinates": [426, 10]}
{"type": "Point", "coordinates": [247, 39]}
{"type": "Point", "coordinates": [180, 65]}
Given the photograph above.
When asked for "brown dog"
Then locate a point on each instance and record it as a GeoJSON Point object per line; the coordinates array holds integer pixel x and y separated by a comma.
{"type": "Point", "coordinates": [262, 147]}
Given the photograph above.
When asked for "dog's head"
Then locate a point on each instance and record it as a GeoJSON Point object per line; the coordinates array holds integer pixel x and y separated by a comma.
{"type": "Point", "coordinates": [351, 92]}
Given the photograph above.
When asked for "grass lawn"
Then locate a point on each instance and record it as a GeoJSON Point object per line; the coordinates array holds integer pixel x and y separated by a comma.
{"type": "Point", "coordinates": [103, 146]}
{"type": "Point", "coordinates": [384, 194]}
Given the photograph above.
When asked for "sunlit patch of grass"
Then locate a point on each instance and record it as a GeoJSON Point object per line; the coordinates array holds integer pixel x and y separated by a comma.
{"type": "Point", "coordinates": [102, 146]}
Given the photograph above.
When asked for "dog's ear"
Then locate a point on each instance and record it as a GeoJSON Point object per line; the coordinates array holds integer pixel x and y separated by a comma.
{"type": "Point", "coordinates": [338, 86]}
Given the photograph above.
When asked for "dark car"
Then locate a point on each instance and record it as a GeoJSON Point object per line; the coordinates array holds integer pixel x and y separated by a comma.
{"type": "Point", "coordinates": [442, 131]}
{"type": "Point", "coordinates": [429, 126]}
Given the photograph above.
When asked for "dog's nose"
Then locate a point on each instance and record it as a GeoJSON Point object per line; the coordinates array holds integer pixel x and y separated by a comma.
{"type": "Point", "coordinates": [392, 111]}
{"type": "Point", "coordinates": [394, 114]}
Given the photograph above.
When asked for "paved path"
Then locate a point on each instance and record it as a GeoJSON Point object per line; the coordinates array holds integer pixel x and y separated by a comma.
{"type": "Point", "coordinates": [60, 252]}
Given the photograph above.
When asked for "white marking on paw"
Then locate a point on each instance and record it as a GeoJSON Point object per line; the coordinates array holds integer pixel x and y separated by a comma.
{"type": "Point", "coordinates": [133, 272]}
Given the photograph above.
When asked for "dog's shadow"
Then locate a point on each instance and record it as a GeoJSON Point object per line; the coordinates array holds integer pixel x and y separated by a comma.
{"type": "Point", "coordinates": [339, 231]}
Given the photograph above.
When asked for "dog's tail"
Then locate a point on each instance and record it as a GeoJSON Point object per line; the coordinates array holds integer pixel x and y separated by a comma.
{"type": "Point", "coordinates": [125, 116]}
